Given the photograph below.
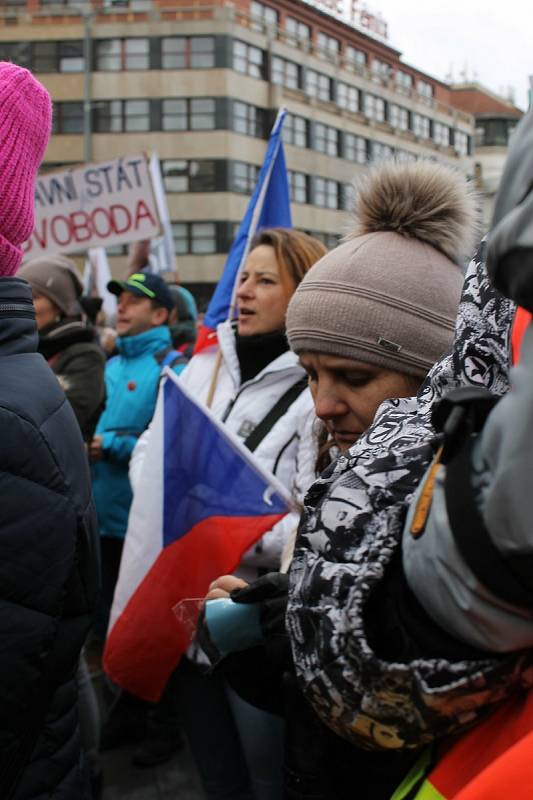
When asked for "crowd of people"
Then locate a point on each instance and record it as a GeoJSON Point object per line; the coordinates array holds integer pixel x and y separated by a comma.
{"type": "Point", "coordinates": [375, 382]}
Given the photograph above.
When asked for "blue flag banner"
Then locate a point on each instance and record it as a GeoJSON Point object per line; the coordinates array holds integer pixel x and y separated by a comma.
{"type": "Point", "coordinates": [269, 207]}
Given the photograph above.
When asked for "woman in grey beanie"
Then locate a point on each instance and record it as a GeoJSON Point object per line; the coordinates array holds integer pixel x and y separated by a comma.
{"type": "Point", "coordinates": [368, 321]}
{"type": "Point", "coordinates": [372, 316]}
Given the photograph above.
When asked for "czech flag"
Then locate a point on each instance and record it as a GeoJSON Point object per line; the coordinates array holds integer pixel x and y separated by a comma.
{"type": "Point", "coordinates": [204, 501]}
{"type": "Point", "coordinates": [269, 207]}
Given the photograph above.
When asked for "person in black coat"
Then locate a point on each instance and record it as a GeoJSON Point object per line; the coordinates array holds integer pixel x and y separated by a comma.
{"type": "Point", "coordinates": [66, 339]}
{"type": "Point", "coordinates": [49, 572]}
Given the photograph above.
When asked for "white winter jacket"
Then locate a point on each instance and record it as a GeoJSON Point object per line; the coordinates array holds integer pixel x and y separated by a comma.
{"type": "Point", "coordinates": [288, 450]}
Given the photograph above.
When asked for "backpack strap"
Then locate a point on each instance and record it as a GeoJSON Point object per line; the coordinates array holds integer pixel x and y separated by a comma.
{"type": "Point", "coordinates": [170, 358]}
{"type": "Point", "coordinates": [283, 403]}
{"type": "Point", "coordinates": [509, 577]}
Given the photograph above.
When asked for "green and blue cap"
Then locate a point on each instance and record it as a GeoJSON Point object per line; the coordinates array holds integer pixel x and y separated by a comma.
{"type": "Point", "coordinates": [144, 284]}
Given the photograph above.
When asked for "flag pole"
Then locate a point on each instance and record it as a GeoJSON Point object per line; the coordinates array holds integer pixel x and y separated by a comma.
{"type": "Point", "coordinates": [251, 233]}
{"type": "Point", "coordinates": [257, 213]}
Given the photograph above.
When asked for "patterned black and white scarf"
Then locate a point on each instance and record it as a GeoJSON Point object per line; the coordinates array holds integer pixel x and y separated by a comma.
{"type": "Point", "coordinates": [351, 529]}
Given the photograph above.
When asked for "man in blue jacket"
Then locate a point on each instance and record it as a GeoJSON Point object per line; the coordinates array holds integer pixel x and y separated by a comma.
{"type": "Point", "coordinates": [132, 379]}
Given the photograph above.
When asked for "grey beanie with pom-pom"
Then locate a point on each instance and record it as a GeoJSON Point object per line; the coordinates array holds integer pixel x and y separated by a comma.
{"type": "Point", "coordinates": [389, 294]}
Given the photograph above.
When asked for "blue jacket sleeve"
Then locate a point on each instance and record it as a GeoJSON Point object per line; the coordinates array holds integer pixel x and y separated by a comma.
{"type": "Point", "coordinates": [117, 447]}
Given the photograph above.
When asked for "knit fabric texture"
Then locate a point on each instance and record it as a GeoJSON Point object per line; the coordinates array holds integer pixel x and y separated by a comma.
{"type": "Point", "coordinates": [25, 125]}
{"type": "Point", "coordinates": [57, 278]}
{"type": "Point", "coordinates": [382, 298]}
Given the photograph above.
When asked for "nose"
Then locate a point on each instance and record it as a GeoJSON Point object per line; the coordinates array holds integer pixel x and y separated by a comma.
{"type": "Point", "coordinates": [328, 403]}
{"type": "Point", "coordinates": [245, 290]}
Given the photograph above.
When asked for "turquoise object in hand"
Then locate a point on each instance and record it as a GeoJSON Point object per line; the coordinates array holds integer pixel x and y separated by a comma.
{"type": "Point", "coordinates": [233, 626]}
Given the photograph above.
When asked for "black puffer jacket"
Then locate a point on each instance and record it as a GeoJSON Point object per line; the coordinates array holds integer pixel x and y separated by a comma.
{"type": "Point", "coordinates": [48, 564]}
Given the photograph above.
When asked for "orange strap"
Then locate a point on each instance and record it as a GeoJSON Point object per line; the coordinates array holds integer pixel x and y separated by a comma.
{"type": "Point", "coordinates": [521, 321]}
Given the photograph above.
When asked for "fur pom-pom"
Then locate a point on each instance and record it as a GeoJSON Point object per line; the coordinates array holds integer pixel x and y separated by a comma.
{"type": "Point", "coordinates": [423, 200]}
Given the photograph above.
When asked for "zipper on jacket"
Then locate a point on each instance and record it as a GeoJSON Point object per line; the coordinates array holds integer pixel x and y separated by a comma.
{"type": "Point", "coordinates": [17, 309]}
{"type": "Point", "coordinates": [244, 386]}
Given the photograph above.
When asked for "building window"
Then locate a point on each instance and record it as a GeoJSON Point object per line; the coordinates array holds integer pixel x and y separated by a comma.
{"type": "Point", "coordinates": [174, 114]}
{"type": "Point", "coordinates": [133, 5]}
{"type": "Point", "coordinates": [299, 187]}
{"type": "Point", "coordinates": [441, 134]}
{"type": "Point", "coordinates": [285, 73]}
{"type": "Point", "coordinates": [421, 126]}
{"type": "Point", "coordinates": [380, 69]}
{"type": "Point", "coordinates": [45, 56]}
{"type": "Point", "coordinates": [64, 56]}
{"type": "Point", "coordinates": [403, 80]}
{"type": "Point", "coordinates": [355, 148]}
{"type": "Point", "coordinates": [114, 116]}
{"type": "Point", "coordinates": [248, 59]}
{"type": "Point", "coordinates": [460, 143]}
{"type": "Point", "coordinates": [188, 176]}
{"type": "Point", "coordinates": [494, 132]}
{"type": "Point", "coordinates": [318, 85]}
{"type": "Point", "coordinates": [424, 89]}
{"type": "Point", "coordinates": [354, 59]}
{"type": "Point", "coordinates": [18, 52]}
{"type": "Point", "coordinates": [115, 55]}
{"type": "Point", "coordinates": [374, 107]}
{"type": "Point", "coordinates": [296, 131]}
{"type": "Point", "coordinates": [330, 240]}
{"type": "Point", "coordinates": [381, 151]}
{"type": "Point", "coordinates": [70, 56]}
{"type": "Point", "coordinates": [347, 196]}
{"type": "Point", "coordinates": [72, 3]}
{"type": "Point", "coordinates": [405, 155]}
{"type": "Point", "coordinates": [248, 119]}
{"type": "Point", "coordinates": [399, 117]}
{"type": "Point", "coordinates": [264, 14]}
{"type": "Point", "coordinates": [202, 114]}
{"type": "Point", "coordinates": [326, 193]}
{"type": "Point", "coordinates": [297, 31]}
{"type": "Point", "coordinates": [348, 97]}
{"type": "Point", "coordinates": [327, 45]}
{"type": "Point", "coordinates": [68, 118]}
{"type": "Point", "coordinates": [243, 177]}
{"type": "Point", "coordinates": [198, 238]}
{"type": "Point", "coordinates": [180, 233]}
{"type": "Point", "coordinates": [108, 116]}
{"type": "Point", "coordinates": [136, 115]}
{"type": "Point", "coordinates": [326, 139]}
{"type": "Point", "coordinates": [187, 52]}
{"type": "Point", "coordinates": [194, 114]}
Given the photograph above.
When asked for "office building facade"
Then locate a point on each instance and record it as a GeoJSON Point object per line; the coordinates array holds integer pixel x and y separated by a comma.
{"type": "Point", "coordinates": [200, 83]}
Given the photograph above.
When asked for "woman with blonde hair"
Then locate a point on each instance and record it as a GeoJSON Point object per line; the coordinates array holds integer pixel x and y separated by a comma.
{"type": "Point", "coordinates": [257, 387]}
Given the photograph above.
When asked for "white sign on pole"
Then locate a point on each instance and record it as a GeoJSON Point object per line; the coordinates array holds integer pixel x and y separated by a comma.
{"type": "Point", "coordinates": [162, 255]}
{"type": "Point", "coordinates": [96, 276]}
{"type": "Point", "coordinates": [95, 205]}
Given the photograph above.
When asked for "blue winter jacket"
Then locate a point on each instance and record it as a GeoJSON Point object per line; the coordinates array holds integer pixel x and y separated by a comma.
{"type": "Point", "coordinates": [132, 380]}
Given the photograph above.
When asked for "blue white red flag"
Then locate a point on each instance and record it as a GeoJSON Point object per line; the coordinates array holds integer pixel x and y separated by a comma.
{"type": "Point", "coordinates": [204, 501]}
{"type": "Point", "coordinates": [269, 207]}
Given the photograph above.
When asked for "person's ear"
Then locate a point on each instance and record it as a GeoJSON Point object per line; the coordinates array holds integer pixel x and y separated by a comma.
{"type": "Point", "coordinates": [160, 316]}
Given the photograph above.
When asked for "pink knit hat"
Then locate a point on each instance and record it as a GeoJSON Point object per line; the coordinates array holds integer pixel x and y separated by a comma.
{"type": "Point", "coordinates": [25, 124]}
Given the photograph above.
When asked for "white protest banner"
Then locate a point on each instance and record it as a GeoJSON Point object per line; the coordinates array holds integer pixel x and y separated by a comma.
{"type": "Point", "coordinates": [95, 205]}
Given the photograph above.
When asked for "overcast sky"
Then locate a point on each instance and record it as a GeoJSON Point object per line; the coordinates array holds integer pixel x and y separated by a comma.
{"type": "Point", "coordinates": [493, 40]}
